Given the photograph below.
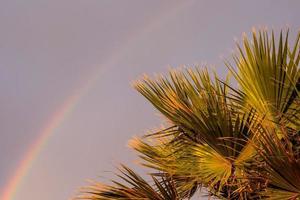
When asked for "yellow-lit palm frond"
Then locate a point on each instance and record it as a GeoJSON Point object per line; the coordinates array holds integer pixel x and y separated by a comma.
{"type": "Point", "coordinates": [268, 74]}
{"type": "Point", "coordinates": [171, 157]}
{"type": "Point", "coordinates": [164, 155]}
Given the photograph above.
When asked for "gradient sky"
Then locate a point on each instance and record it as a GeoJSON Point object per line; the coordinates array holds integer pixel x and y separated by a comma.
{"type": "Point", "coordinates": [50, 50]}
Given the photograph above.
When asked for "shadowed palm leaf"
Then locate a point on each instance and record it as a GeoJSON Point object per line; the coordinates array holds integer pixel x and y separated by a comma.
{"type": "Point", "coordinates": [133, 188]}
{"type": "Point", "coordinates": [281, 166]}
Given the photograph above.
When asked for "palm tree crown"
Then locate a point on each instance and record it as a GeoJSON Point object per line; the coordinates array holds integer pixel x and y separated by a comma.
{"type": "Point", "coordinates": [237, 142]}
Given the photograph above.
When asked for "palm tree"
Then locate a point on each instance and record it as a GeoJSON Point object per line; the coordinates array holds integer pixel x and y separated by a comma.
{"type": "Point", "coordinates": [237, 142]}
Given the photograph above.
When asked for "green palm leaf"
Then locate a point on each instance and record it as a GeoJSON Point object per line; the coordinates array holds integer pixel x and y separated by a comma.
{"type": "Point", "coordinates": [268, 74]}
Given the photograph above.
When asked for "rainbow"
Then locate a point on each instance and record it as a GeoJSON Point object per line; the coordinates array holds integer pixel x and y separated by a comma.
{"type": "Point", "coordinates": [27, 162]}
{"type": "Point", "coordinates": [11, 188]}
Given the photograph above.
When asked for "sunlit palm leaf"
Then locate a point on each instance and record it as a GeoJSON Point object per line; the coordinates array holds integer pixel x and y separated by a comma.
{"type": "Point", "coordinates": [168, 156]}
{"type": "Point", "coordinates": [268, 74]}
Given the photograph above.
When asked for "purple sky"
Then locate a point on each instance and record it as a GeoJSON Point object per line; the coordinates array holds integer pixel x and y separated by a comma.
{"type": "Point", "coordinates": [50, 49]}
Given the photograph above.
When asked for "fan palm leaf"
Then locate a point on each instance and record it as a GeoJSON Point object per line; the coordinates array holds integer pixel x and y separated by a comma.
{"type": "Point", "coordinates": [211, 122]}
{"type": "Point", "coordinates": [281, 166]}
{"type": "Point", "coordinates": [268, 75]}
{"type": "Point", "coordinates": [133, 187]}
{"type": "Point", "coordinates": [168, 156]}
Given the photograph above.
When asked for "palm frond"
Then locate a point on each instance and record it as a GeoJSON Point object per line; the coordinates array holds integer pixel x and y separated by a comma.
{"type": "Point", "coordinates": [212, 124]}
{"type": "Point", "coordinates": [172, 157]}
{"type": "Point", "coordinates": [268, 74]}
{"type": "Point", "coordinates": [238, 143]}
{"type": "Point", "coordinates": [133, 187]}
{"type": "Point", "coordinates": [281, 166]}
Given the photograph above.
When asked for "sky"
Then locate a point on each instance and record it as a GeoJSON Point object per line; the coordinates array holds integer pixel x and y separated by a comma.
{"type": "Point", "coordinates": [66, 68]}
